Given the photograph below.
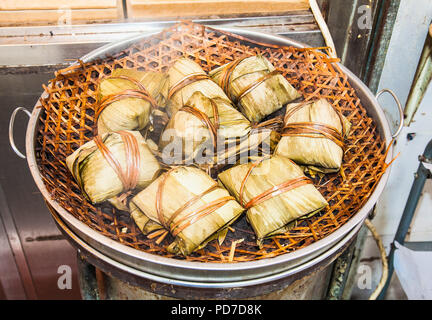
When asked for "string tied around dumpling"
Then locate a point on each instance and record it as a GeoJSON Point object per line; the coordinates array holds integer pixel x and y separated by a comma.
{"type": "Point", "coordinates": [177, 222]}
{"type": "Point", "coordinates": [310, 129]}
{"type": "Point", "coordinates": [130, 176]}
{"type": "Point", "coordinates": [271, 192]}
{"type": "Point", "coordinates": [212, 126]}
{"type": "Point", "coordinates": [225, 80]}
{"type": "Point", "coordinates": [187, 80]}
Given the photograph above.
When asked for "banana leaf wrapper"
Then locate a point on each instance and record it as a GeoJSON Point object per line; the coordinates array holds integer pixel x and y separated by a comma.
{"type": "Point", "coordinates": [145, 224]}
{"type": "Point", "coordinates": [274, 192]}
{"type": "Point", "coordinates": [313, 135]}
{"type": "Point", "coordinates": [99, 180]}
{"type": "Point", "coordinates": [185, 78]}
{"type": "Point", "coordinates": [257, 142]}
{"type": "Point", "coordinates": [127, 98]}
{"type": "Point", "coordinates": [255, 86]}
{"type": "Point", "coordinates": [191, 205]}
{"type": "Point", "coordinates": [202, 120]}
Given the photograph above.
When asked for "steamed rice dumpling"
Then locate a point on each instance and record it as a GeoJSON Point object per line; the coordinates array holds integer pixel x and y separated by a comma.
{"type": "Point", "coordinates": [275, 192]}
{"type": "Point", "coordinates": [185, 78]}
{"type": "Point", "coordinates": [111, 164]}
{"type": "Point", "coordinates": [255, 86]}
{"type": "Point", "coordinates": [191, 205]}
{"type": "Point", "coordinates": [202, 120]}
{"type": "Point", "coordinates": [127, 98]}
{"type": "Point", "coordinates": [313, 135]}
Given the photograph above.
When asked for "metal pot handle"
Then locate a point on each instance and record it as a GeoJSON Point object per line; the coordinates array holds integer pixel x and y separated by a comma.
{"type": "Point", "coordinates": [399, 105]}
{"type": "Point", "coordinates": [11, 127]}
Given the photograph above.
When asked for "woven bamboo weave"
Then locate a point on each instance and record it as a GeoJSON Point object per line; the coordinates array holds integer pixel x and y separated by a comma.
{"type": "Point", "coordinates": [67, 121]}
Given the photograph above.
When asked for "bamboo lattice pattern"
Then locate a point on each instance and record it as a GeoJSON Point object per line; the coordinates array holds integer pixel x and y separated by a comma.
{"type": "Point", "coordinates": [67, 122]}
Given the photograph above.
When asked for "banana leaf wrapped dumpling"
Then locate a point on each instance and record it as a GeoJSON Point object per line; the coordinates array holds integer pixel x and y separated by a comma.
{"type": "Point", "coordinates": [112, 164]}
{"type": "Point", "coordinates": [255, 86]}
{"type": "Point", "coordinates": [313, 135]}
{"type": "Point", "coordinates": [191, 205]}
{"type": "Point", "coordinates": [185, 78]}
{"type": "Point", "coordinates": [275, 193]}
{"type": "Point", "coordinates": [127, 98]}
{"type": "Point", "coordinates": [202, 120]}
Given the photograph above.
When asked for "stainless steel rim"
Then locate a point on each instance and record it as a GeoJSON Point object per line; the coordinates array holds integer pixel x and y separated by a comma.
{"type": "Point", "coordinates": [212, 272]}
{"type": "Point", "coordinates": [198, 284]}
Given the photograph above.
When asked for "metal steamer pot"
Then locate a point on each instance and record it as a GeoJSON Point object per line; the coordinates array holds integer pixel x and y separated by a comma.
{"type": "Point", "coordinates": [197, 275]}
